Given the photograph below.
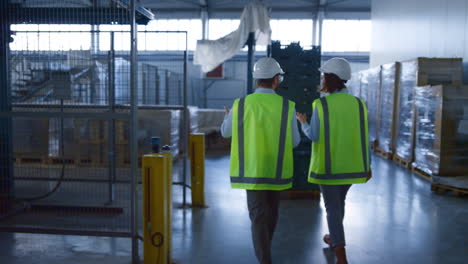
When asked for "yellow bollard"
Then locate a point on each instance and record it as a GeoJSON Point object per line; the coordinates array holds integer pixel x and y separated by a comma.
{"type": "Point", "coordinates": [197, 169]}
{"type": "Point", "coordinates": [169, 202]}
{"type": "Point", "coordinates": [156, 231]}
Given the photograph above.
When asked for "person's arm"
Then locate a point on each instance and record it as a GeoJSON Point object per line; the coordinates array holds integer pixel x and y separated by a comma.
{"type": "Point", "coordinates": [226, 126]}
{"type": "Point", "coordinates": [295, 130]}
{"type": "Point", "coordinates": [312, 131]}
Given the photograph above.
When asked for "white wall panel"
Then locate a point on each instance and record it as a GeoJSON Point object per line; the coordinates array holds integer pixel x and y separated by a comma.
{"type": "Point", "coordinates": [405, 29]}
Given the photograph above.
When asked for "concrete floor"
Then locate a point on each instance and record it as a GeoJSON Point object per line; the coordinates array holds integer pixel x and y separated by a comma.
{"type": "Point", "coordinates": [395, 218]}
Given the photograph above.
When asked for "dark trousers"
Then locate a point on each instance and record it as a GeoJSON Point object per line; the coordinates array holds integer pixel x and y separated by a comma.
{"type": "Point", "coordinates": [334, 197]}
{"type": "Point", "coordinates": [263, 211]}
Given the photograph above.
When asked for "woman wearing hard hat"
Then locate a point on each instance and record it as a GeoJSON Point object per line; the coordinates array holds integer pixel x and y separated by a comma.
{"type": "Point", "coordinates": [340, 147]}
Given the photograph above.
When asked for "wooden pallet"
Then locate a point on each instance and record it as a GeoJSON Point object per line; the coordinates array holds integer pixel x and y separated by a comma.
{"type": "Point", "coordinates": [422, 174]}
{"type": "Point", "coordinates": [47, 161]}
{"type": "Point", "coordinates": [402, 162]}
{"type": "Point", "coordinates": [383, 154]}
{"type": "Point", "coordinates": [442, 189]}
{"type": "Point", "coordinates": [300, 195]}
{"type": "Point", "coordinates": [30, 160]}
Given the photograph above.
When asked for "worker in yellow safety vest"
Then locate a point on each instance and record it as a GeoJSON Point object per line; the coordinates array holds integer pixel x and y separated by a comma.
{"type": "Point", "coordinates": [340, 147]}
{"type": "Point", "coordinates": [264, 131]}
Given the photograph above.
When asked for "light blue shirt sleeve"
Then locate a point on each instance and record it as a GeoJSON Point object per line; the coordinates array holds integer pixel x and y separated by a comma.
{"type": "Point", "coordinates": [226, 126]}
{"type": "Point", "coordinates": [312, 131]}
{"type": "Point", "coordinates": [295, 130]}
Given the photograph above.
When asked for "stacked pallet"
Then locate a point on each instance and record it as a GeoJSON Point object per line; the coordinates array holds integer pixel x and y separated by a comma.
{"type": "Point", "coordinates": [86, 141]}
{"type": "Point", "coordinates": [165, 124]}
{"type": "Point", "coordinates": [354, 84]}
{"type": "Point", "coordinates": [441, 141]}
{"type": "Point", "coordinates": [416, 73]}
{"type": "Point", "coordinates": [366, 85]}
{"type": "Point", "coordinates": [31, 140]}
{"type": "Point", "coordinates": [421, 113]}
{"type": "Point", "coordinates": [388, 110]}
{"type": "Point", "coordinates": [208, 122]}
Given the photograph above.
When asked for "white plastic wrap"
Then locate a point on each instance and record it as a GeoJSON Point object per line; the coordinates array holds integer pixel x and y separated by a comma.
{"type": "Point", "coordinates": [373, 101]}
{"type": "Point", "coordinates": [209, 120]}
{"type": "Point", "coordinates": [354, 85]}
{"type": "Point", "coordinates": [364, 77]}
{"type": "Point", "coordinates": [255, 18]}
{"type": "Point", "coordinates": [404, 137]}
{"type": "Point", "coordinates": [388, 101]}
{"type": "Point", "coordinates": [441, 148]}
{"type": "Point", "coordinates": [420, 72]}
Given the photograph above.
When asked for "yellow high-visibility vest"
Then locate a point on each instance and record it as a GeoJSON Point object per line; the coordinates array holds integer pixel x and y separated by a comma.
{"type": "Point", "coordinates": [262, 146]}
{"type": "Point", "coordinates": [341, 155]}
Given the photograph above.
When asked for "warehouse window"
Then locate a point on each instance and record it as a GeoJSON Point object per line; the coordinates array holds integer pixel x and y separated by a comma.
{"type": "Point", "coordinates": [346, 35]}
{"type": "Point", "coordinates": [79, 37]}
{"type": "Point", "coordinates": [283, 30]}
{"type": "Point", "coordinates": [170, 41]}
{"type": "Point", "coordinates": [219, 28]}
{"type": "Point", "coordinates": [51, 37]}
{"type": "Point", "coordinates": [292, 30]}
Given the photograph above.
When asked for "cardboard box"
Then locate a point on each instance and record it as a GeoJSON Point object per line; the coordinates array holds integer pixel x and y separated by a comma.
{"type": "Point", "coordinates": [441, 142]}
{"type": "Point", "coordinates": [433, 71]}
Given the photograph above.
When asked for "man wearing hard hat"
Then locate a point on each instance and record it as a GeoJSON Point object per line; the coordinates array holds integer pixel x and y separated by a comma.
{"type": "Point", "coordinates": [340, 147]}
{"type": "Point", "coordinates": [264, 132]}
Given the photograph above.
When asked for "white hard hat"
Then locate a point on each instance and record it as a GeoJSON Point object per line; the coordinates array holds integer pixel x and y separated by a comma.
{"type": "Point", "coordinates": [266, 68]}
{"type": "Point", "coordinates": [338, 66]}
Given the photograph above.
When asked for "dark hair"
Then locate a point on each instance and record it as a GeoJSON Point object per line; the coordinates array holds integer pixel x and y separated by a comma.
{"type": "Point", "coordinates": [266, 82]}
{"type": "Point", "coordinates": [332, 83]}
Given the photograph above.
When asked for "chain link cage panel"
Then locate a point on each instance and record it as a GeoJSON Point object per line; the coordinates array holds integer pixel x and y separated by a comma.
{"type": "Point", "coordinates": [65, 115]}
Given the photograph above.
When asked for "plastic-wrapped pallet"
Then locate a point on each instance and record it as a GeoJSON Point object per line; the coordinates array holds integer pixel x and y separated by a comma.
{"type": "Point", "coordinates": [162, 123]}
{"type": "Point", "coordinates": [354, 85]}
{"type": "Point", "coordinates": [31, 139]}
{"type": "Point", "coordinates": [205, 120]}
{"type": "Point", "coordinates": [193, 117]}
{"type": "Point", "coordinates": [388, 106]}
{"type": "Point", "coordinates": [364, 77]}
{"type": "Point", "coordinates": [441, 146]}
{"type": "Point", "coordinates": [373, 101]}
{"type": "Point", "coordinates": [208, 122]}
{"type": "Point", "coordinates": [419, 72]}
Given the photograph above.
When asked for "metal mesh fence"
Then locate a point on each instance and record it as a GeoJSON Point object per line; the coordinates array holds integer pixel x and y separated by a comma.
{"type": "Point", "coordinates": [66, 122]}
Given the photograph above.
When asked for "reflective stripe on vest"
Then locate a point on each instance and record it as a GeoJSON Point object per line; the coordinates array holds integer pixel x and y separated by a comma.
{"type": "Point", "coordinates": [339, 176]}
{"type": "Point", "coordinates": [363, 133]}
{"type": "Point", "coordinates": [281, 148]}
{"type": "Point", "coordinates": [328, 175]}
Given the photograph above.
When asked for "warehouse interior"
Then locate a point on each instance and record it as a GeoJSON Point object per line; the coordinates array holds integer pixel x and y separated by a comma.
{"type": "Point", "coordinates": [110, 116]}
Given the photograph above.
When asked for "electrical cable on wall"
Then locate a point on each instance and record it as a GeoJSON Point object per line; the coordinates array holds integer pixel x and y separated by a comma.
{"type": "Point", "coordinates": [25, 201]}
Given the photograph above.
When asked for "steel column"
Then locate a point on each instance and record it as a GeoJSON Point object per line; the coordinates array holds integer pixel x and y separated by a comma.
{"type": "Point", "coordinates": [133, 132]}
{"type": "Point", "coordinates": [166, 87]}
{"type": "Point", "coordinates": [6, 141]}
{"type": "Point", "coordinates": [186, 131]}
{"type": "Point", "coordinates": [250, 61]}
{"type": "Point", "coordinates": [111, 129]}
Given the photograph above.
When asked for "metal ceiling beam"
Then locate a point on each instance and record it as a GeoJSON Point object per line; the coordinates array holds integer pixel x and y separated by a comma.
{"type": "Point", "coordinates": [285, 9]}
{"type": "Point", "coordinates": [71, 16]}
{"type": "Point", "coordinates": [204, 16]}
{"type": "Point", "coordinates": [88, 15]}
{"type": "Point", "coordinates": [138, 8]}
{"type": "Point", "coordinates": [320, 18]}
